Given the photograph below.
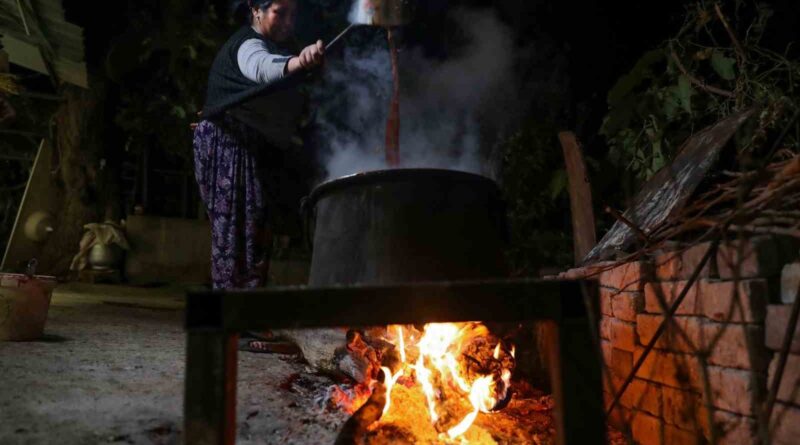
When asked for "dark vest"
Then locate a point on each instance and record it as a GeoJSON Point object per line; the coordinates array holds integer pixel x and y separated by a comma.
{"type": "Point", "coordinates": [269, 108]}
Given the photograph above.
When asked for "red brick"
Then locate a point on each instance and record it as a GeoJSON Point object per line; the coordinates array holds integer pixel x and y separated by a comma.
{"type": "Point", "coordinates": [621, 362]}
{"type": "Point", "coordinates": [761, 256]}
{"type": "Point", "coordinates": [785, 424]}
{"type": "Point", "coordinates": [680, 265]}
{"type": "Point", "coordinates": [606, 296]}
{"type": "Point", "coordinates": [736, 390]}
{"type": "Point", "coordinates": [627, 276]}
{"type": "Point", "coordinates": [721, 302]}
{"type": "Point", "coordinates": [734, 345]}
{"type": "Point", "coordinates": [623, 334]}
{"type": "Point", "coordinates": [669, 292]}
{"type": "Point", "coordinates": [647, 324]}
{"type": "Point", "coordinates": [605, 328]}
{"type": "Point", "coordinates": [668, 368]}
{"type": "Point", "coordinates": [681, 407]}
{"type": "Point", "coordinates": [644, 396]}
{"type": "Point", "coordinates": [775, 327]}
{"type": "Point", "coordinates": [626, 305]}
{"type": "Point", "coordinates": [789, 390]}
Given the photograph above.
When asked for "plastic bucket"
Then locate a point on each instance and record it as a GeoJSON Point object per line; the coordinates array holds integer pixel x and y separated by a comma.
{"type": "Point", "coordinates": [24, 302]}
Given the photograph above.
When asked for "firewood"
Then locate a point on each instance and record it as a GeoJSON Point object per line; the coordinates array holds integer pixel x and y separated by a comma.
{"type": "Point", "coordinates": [341, 352]}
{"type": "Point", "coordinates": [355, 429]}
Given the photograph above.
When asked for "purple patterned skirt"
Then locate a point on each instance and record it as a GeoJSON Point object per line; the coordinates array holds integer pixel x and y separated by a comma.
{"type": "Point", "coordinates": [230, 167]}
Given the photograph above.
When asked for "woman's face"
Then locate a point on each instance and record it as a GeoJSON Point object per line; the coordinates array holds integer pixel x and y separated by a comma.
{"type": "Point", "coordinates": [277, 21]}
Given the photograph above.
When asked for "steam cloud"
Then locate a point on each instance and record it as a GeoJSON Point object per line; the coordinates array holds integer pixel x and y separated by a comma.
{"type": "Point", "coordinates": [451, 111]}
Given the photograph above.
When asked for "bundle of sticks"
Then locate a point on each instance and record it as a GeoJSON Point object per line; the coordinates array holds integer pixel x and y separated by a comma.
{"type": "Point", "coordinates": [770, 207]}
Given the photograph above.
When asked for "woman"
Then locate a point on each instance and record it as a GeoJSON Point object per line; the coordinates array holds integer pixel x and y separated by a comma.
{"type": "Point", "coordinates": [232, 154]}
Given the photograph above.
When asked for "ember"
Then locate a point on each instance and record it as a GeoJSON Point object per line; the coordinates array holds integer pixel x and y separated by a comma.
{"type": "Point", "coordinates": [349, 399]}
{"type": "Point", "coordinates": [455, 370]}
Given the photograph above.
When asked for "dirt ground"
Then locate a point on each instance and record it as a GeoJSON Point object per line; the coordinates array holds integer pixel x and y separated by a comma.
{"type": "Point", "coordinates": [110, 370]}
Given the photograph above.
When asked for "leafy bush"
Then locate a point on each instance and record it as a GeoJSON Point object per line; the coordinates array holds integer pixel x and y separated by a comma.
{"type": "Point", "coordinates": [712, 67]}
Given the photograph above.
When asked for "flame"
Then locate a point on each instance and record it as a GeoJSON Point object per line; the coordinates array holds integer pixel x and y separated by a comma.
{"type": "Point", "coordinates": [402, 344]}
{"type": "Point", "coordinates": [389, 381]}
{"type": "Point", "coordinates": [437, 366]}
{"type": "Point", "coordinates": [479, 396]}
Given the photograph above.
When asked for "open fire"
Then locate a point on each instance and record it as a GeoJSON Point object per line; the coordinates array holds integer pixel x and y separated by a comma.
{"type": "Point", "coordinates": [458, 369]}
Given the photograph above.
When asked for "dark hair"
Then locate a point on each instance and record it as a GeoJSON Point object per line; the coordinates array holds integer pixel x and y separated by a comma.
{"type": "Point", "coordinates": [241, 9]}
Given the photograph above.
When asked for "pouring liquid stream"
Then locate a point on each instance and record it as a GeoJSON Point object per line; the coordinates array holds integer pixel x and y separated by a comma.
{"type": "Point", "coordinates": [393, 120]}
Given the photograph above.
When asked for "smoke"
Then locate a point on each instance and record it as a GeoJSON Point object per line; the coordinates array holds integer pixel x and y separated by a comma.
{"type": "Point", "coordinates": [452, 110]}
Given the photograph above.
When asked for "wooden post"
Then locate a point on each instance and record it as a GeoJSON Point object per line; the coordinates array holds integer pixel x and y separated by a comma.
{"type": "Point", "coordinates": [210, 393]}
{"type": "Point", "coordinates": [580, 196]}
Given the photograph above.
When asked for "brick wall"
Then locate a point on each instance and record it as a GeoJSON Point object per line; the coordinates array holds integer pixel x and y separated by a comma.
{"type": "Point", "coordinates": [713, 363]}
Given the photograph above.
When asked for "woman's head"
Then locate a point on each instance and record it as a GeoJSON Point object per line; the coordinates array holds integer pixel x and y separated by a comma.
{"type": "Point", "coordinates": [272, 18]}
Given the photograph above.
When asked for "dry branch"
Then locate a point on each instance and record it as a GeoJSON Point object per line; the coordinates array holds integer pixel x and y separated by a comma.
{"type": "Point", "coordinates": [699, 83]}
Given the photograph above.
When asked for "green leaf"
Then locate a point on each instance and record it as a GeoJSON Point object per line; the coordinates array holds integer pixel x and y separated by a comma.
{"type": "Point", "coordinates": [724, 66]}
{"type": "Point", "coordinates": [178, 111]}
{"type": "Point", "coordinates": [683, 93]}
{"type": "Point", "coordinates": [558, 183]}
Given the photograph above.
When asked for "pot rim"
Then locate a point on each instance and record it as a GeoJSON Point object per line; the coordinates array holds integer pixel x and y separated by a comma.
{"type": "Point", "coordinates": [390, 175]}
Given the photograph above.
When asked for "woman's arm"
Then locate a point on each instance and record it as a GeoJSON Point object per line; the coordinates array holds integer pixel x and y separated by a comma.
{"type": "Point", "coordinates": [260, 65]}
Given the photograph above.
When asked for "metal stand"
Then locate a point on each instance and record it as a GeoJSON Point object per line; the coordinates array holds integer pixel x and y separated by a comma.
{"type": "Point", "coordinates": [214, 319]}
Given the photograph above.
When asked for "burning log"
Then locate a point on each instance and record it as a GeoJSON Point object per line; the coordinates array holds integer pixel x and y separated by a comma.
{"type": "Point", "coordinates": [355, 429]}
{"type": "Point", "coordinates": [351, 353]}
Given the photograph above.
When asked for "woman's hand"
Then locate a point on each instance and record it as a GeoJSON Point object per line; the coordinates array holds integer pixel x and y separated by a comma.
{"type": "Point", "coordinates": [310, 57]}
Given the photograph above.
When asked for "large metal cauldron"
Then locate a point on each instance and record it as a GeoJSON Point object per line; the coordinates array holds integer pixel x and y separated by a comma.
{"type": "Point", "coordinates": [406, 225]}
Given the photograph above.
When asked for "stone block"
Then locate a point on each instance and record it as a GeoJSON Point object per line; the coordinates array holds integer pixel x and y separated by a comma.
{"type": "Point", "coordinates": [775, 327]}
{"type": "Point", "coordinates": [626, 277]}
{"type": "Point", "coordinates": [790, 282]}
{"type": "Point", "coordinates": [643, 396]}
{"type": "Point", "coordinates": [606, 297]}
{"type": "Point", "coordinates": [681, 407]}
{"type": "Point", "coordinates": [669, 368]}
{"type": "Point", "coordinates": [732, 429]}
{"type": "Point", "coordinates": [762, 256]}
{"type": "Point", "coordinates": [623, 334]}
{"type": "Point", "coordinates": [671, 339]}
{"type": "Point", "coordinates": [657, 293]}
{"type": "Point", "coordinates": [621, 362]}
{"type": "Point", "coordinates": [725, 301]}
{"type": "Point", "coordinates": [605, 348]}
{"type": "Point", "coordinates": [620, 418]}
{"type": "Point", "coordinates": [605, 328]}
{"type": "Point", "coordinates": [785, 425]}
{"type": "Point", "coordinates": [734, 345]}
{"type": "Point", "coordinates": [626, 305]}
{"type": "Point", "coordinates": [680, 265]}
{"type": "Point", "coordinates": [647, 429]}
{"type": "Point", "coordinates": [677, 436]}
{"type": "Point", "coordinates": [735, 390]}
{"type": "Point", "coordinates": [789, 390]}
